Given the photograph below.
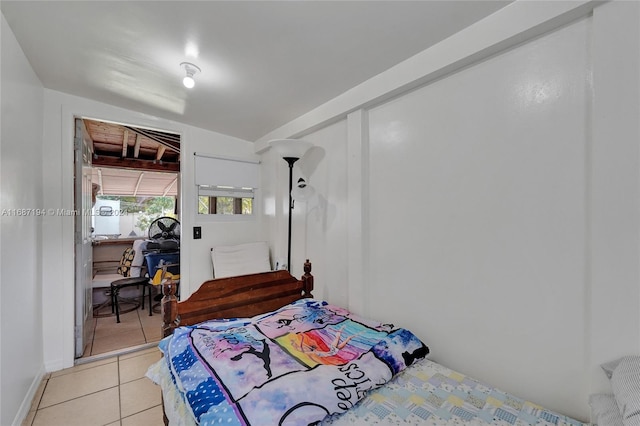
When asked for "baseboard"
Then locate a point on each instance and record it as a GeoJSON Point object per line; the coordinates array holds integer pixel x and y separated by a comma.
{"type": "Point", "coordinates": [23, 411]}
{"type": "Point", "coordinates": [55, 365]}
{"type": "Point", "coordinates": [118, 352]}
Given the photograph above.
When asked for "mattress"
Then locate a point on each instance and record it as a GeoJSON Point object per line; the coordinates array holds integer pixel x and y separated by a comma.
{"type": "Point", "coordinates": [426, 393]}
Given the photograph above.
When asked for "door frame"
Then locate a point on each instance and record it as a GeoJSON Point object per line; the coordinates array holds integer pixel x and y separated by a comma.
{"type": "Point", "coordinates": [83, 251]}
{"type": "Point", "coordinates": [67, 307]}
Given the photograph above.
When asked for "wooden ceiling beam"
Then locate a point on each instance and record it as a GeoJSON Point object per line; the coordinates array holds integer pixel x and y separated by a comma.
{"type": "Point", "coordinates": [168, 188]}
{"type": "Point", "coordinates": [136, 148]}
{"type": "Point", "coordinates": [168, 140]}
{"type": "Point", "coordinates": [135, 191]}
{"type": "Point", "coordinates": [87, 134]}
{"type": "Point", "coordinates": [160, 152]}
{"type": "Point", "coordinates": [128, 163]}
{"type": "Point", "coordinates": [100, 182]}
{"type": "Point", "coordinates": [125, 143]}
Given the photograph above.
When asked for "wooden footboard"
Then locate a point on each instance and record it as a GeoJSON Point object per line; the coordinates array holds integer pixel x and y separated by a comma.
{"type": "Point", "coordinates": [234, 297]}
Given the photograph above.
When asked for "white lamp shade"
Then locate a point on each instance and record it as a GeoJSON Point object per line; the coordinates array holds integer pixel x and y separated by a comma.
{"type": "Point", "coordinates": [290, 148]}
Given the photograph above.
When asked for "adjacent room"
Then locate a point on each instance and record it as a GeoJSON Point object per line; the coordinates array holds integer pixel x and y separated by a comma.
{"type": "Point", "coordinates": [441, 198]}
{"type": "Point", "coordinates": [134, 174]}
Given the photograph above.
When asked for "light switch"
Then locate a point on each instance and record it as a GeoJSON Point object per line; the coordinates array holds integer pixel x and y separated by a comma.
{"type": "Point", "coordinates": [197, 232]}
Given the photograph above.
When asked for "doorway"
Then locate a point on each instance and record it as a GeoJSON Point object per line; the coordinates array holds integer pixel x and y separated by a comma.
{"type": "Point", "coordinates": [135, 176]}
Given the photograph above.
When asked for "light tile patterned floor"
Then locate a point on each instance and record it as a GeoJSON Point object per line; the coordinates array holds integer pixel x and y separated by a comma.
{"type": "Point", "coordinates": [113, 392]}
{"type": "Point", "coordinates": [135, 328]}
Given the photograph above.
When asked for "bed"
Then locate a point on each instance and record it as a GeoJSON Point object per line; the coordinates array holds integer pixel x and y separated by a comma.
{"type": "Point", "coordinates": [260, 350]}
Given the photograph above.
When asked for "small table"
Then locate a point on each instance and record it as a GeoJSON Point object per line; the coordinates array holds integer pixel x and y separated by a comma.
{"type": "Point", "coordinates": [117, 285]}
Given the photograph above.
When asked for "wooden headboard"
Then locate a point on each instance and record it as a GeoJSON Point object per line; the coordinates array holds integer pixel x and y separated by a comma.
{"type": "Point", "coordinates": [234, 297]}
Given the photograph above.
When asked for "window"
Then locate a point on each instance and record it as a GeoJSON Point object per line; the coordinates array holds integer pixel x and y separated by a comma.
{"type": "Point", "coordinates": [224, 205]}
{"type": "Point", "coordinates": [228, 201]}
{"type": "Point", "coordinates": [225, 186]}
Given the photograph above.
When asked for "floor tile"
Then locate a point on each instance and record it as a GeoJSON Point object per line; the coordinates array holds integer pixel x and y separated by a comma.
{"type": "Point", "coordinates": [153, 334]}
{"type": "Point", "coordinates": [152, 327]}
{"type": "Point", "coordinates": [97, 409]}
{"type": "Point", "coordinates": [136, 367]}
{"type": "Point", "coordinates": [85, 366]}
{"type": "Point", "coordinates": [118, 341]}
{"type": "Point", "coordinates": [73, 385]}
{"type": "Point", "coordinates": [153, 319]}
{"type": "Point", "coordinates": [110, 336]}
{"type": "Point", "coordinates": [138, 396]}
{"type": "Point", "coordinates": [150, 417]}
{"type": "Point", "coordinates": [139, 353]}
{"type": "Point", "coordinates": [38, 395]}
{"type": "Point", "coordinates": [109, 326]}
{"type": "Point", "coordinates": [87, 350]}
{"type": "Point", "coordinates": [101, 390]}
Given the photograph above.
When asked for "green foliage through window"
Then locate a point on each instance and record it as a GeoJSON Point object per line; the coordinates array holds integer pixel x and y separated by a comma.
{"type": "Point", "coordinates": [225, 205]}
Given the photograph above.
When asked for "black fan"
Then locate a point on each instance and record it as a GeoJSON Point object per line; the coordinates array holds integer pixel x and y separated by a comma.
{"type": "Point", "coordinates": [164, 228]}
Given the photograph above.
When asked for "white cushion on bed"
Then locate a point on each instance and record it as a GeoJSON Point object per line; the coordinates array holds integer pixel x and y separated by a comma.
{"type": "Point", "coordinates": [240, 259]}
{"type": "Point", "coordinates": [625, 382]}
{"type": "Point", "coordinates": [604, 410]}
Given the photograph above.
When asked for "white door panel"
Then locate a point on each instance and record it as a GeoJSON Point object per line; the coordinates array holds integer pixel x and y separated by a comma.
{"type": "Point", "coordinates": [83, 248]}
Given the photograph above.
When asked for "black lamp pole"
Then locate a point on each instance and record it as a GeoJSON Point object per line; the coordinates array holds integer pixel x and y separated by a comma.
{"type": "Point", "coordinates": [290, 161]}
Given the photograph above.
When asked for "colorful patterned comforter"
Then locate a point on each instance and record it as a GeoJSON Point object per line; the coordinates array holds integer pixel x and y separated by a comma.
{"type": "Point", "coordinates": [429, 394]}
{"type": "Point", "coordinates": [293, 366]}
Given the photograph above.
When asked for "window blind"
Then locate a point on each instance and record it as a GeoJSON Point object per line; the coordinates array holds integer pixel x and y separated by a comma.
{"type": "Point", "coordinates": [214, 191]}
{"type": "Point", "coordinates": [218, 172]}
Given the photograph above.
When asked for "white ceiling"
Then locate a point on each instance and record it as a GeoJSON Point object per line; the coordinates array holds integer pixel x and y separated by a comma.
{"type": "Point", "coordinates": [263, 63]}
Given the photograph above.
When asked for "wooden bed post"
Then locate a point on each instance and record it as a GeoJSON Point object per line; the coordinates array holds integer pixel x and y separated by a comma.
{"type": "Point", "coordinates": [307, 279]}
{"type": "Point", "coordinates": [169, 307]}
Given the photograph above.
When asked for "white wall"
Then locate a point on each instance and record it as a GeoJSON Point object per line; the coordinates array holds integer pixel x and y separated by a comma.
{"type": "Point", "coordinates": [614, 321]}
{"type": "Point", "coordinates": [319, 225]}
{"type": "Point", "coordinates": [59, 111]}
{"type": "Point", "coordinates": [21, 366]}
{"type": "Point", "coordinates": [323, 237]}
{"type": "Point", "coordinates": [488, 178]}
{"type": "Point", "coordinates": [492, 197]}
{"type": "Point", "coordinates": [217, 230]}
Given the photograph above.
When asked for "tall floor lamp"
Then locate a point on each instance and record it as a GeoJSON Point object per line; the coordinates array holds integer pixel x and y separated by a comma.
{"type": "Point", "coordinates": [291, 150]}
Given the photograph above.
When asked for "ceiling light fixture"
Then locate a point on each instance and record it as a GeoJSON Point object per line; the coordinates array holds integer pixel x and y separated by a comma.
{"type": "Point", "coordinates": [191, 70]}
